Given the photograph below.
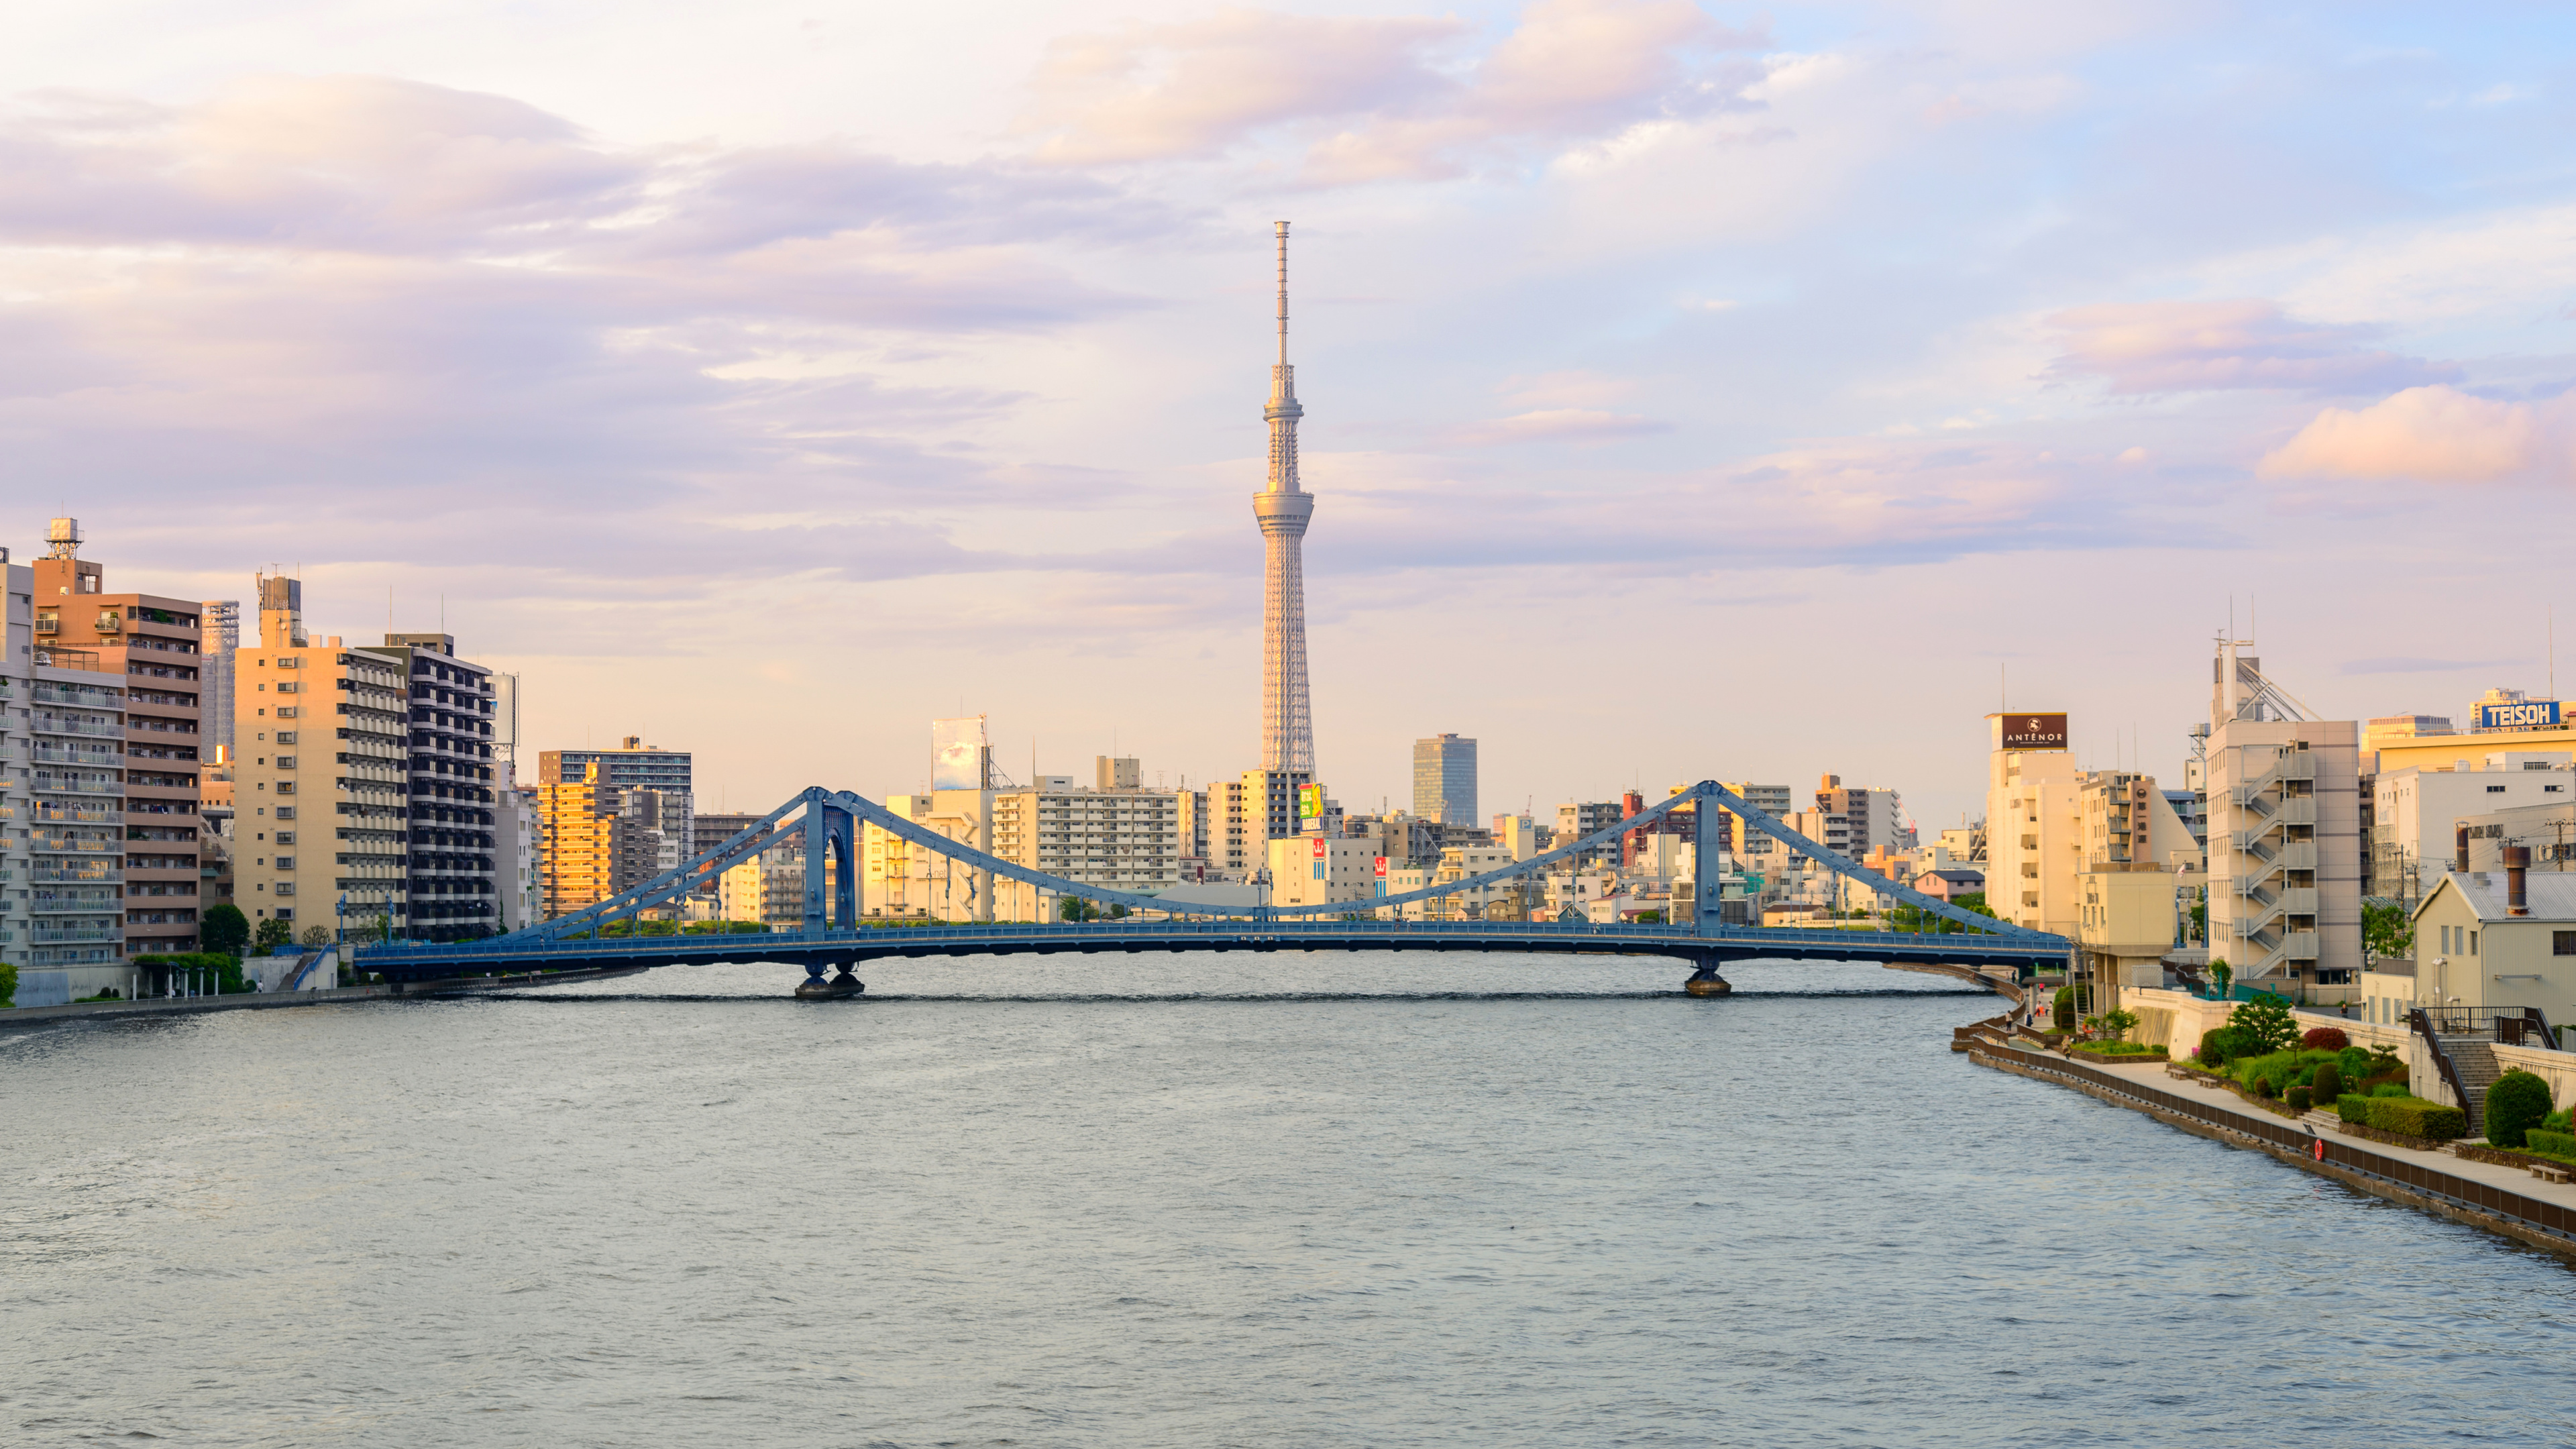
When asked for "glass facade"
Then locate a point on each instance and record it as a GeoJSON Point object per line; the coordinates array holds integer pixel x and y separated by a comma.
{"type": "Point", "coordinates": [1444, 779]}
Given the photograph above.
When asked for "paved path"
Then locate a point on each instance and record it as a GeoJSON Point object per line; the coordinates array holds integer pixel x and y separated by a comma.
{"type": "Point", "coordinates": [2511, 1179]}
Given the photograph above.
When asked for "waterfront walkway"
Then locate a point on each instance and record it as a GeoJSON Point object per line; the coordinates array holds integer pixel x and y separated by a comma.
{"type": "Point", "coordinates": [2510, 1179]}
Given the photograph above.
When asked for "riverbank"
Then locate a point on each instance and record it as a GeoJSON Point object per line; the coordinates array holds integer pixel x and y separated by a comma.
{"type": "Point", "coordinates": [35, 1016]}
{"type": "Point", "coordinates": [2505, 1200]}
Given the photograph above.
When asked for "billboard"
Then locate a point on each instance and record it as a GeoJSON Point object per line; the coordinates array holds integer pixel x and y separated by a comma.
{"type": "Point", "coordinates": [1310, 802]}
{"type": "Point", "coordinates": [1319, 847]}
{"type": "Point", "coordinates": [2528, 714]}
{"type": "Point", "coordinates": [957, 753]}
{"type": "Point", "coordinates": [2034, 732]}
{"type": "Point", "coordinates": [1381, 869]}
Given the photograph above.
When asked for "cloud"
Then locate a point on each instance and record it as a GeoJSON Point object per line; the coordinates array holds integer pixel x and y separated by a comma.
{"type": "Point", "coordinates": [2408, 664]}
{"type": "Point", "coordinates": [1559, 425]}
{"type": "Point", "coordinates": [2435, 435]}
{"type": "Point", "coordinates": [2169, 347]}
{"type": "Point", "coordinates": [1375, 99]}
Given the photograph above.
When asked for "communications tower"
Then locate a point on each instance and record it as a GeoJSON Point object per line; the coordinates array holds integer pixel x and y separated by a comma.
{"type": "Point", "coordinates": [1287, 718]}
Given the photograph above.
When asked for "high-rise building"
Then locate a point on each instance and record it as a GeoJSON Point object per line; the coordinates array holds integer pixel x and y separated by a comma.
{"type": "Point", "coordinates": [65, 716]}
{"type": "Point", "coordinates": [1284, 508]}
{"type": "Point", "coordinates": [455, 879]}
{"type": "Point", "coordinates": [636, 765]}
{"type": "Point", "coordinates": [219, 634]}
{"type": "Point", "coordinates": [1122, 839]}
{"type": "Point", "coordinates": [1444, 779]}
{"type": "Point", "coordinates": [151, 645]}
{"type": "Point", "coordinates": [1119, 772]}
{"type": "Point", "coordinates": [321, 787]}
{"type": "Point", "coordinates": [1858, 822]}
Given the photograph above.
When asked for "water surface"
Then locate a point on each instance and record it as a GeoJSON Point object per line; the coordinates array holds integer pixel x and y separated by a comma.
{"type": "Point", "coordinates": [1345, 1199]}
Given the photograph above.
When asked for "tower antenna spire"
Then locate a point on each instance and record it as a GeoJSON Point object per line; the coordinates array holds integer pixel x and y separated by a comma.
{"type": "Point", "coordinates": [1283, 293]}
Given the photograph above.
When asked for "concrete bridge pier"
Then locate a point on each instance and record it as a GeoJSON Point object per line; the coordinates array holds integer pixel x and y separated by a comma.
{"type": "Point", "coordinates": [1705, 981]}
{"type": "Point", "coordinates": [815, 988]}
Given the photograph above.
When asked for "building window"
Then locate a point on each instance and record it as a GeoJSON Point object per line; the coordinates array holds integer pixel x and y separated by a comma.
{"type": "Point", "coordinates": [2473, 943]}
{"type": "Point", "coordinates": [2562, 943]}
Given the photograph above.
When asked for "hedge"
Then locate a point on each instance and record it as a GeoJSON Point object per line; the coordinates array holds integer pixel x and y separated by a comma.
{"type": "Point", "coordinates": [2353, 1107]}
{"type": "Point", "coordinates": [2541, 1139]}
{"type": "Point", "coordinates": [2416, 1117]}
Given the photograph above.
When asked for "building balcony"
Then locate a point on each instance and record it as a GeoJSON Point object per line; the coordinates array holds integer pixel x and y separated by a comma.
{"type": "Point", "coordinates": [45, 905]}
{"type": "Point", "coordinates": [62, 845]}
{"type": "Point", "coordinates": [64, 935]}
{"type": "Point", "coordinates": [41, 725]}
{"type": "Point", "coordinates": [75, 875]}
{"type": "Point", "coordinates": [77, 815]}
{"type": "Point", "coordinates": [65, 755]}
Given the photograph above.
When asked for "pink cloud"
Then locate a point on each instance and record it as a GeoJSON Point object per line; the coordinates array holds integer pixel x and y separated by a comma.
{"type": "Point", "coordinates": [1559, 425]}
{"type": "Point", "coordinates": [2167, 347]}
{"type": "Point", "coordinates": [1371, 99]}
{"type": "Point", "coordinates": [2435, 435]}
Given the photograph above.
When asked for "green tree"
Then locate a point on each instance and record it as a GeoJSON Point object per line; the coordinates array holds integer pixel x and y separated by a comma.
{"type": "Point", "coordinates": [8, 984]}
{"type": "Point", "coordinates": [2221, 972]}
{"type": "Point", "coordinates": [2265, 1023]}
{"type": "Point", "coordinates": [2385, 932]}
{"type": "Point", "coordinates": [1075, 908]}
{"type": "Point", "coordinates": [225, 930]}
{"type": "Point", "coordinates": [272, 934]}
{"type": "Point", "coordinates": [2200, 918]}
{"type": "Point", "coordinates": [2118, 1022]}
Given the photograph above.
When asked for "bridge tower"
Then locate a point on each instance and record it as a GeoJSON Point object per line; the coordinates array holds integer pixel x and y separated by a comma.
{"type": "Point", "coordinates": [1709, 887]}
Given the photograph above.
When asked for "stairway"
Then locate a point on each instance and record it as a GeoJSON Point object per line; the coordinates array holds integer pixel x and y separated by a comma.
{"type": "Point", "coordinates": [2473, 1057]}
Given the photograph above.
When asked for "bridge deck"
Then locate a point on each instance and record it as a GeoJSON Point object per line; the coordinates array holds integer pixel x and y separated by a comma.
{"type": "Point", "coordinates": [817, 951]}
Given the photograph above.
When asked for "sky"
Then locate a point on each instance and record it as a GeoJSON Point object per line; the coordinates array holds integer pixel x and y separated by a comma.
{"type": "Point", "coordinates": [1693, 391]}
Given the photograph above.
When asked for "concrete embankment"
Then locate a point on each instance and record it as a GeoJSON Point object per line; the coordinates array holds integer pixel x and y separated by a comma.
{"type": "Point", "coordinates": [32, 1016]}
{"type": "Point", "coordinates": [2501, 1199]}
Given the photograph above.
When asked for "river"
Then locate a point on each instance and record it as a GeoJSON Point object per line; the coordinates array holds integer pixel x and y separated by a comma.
{"type": "Point", "coordinates": [1198, 1201]}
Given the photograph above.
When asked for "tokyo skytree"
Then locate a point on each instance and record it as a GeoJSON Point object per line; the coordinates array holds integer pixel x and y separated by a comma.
{"type": "Point", "coordinates": [1287, 720]}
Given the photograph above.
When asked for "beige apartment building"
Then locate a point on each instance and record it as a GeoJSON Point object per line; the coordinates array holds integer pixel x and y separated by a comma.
{"type": "Point", "coordinates": [151, 644]}
{"type": "Point", "coordinates": [768, 888]}
{"type": "Point", "coordinates": [1316, 870]}
{"type": "Point", "coordinates": [320, 803]}
{"type": "Point", "coordinates": [2284, 838]}
{"type": "Point", "coordinates": [2034, 823]}
{"type": "Point", "coordinates": [2487, 940]}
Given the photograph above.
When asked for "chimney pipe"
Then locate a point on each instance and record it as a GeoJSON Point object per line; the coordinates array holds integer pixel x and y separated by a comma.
{"type": "Point", "coordinates": [2460, 848]}
{"type": "Point", "coordinates": [2517, 860]}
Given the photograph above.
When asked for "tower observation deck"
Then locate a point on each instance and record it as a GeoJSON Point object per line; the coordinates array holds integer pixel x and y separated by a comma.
{"type": "Point", "coordinates": [1283, 508]}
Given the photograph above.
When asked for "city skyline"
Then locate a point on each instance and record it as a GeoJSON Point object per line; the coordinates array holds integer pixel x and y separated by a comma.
{"type": "Point", "coordinates": [1612, 349]}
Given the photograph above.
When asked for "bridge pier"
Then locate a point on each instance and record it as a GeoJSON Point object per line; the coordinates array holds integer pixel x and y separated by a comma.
{"type": "Point", "coordinates": [815, 988]}
{"type": "Point", "coordinates": [1705, 981]}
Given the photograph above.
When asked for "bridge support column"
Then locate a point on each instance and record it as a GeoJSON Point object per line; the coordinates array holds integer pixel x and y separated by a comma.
{"type": "Point", "coordinates": [815, 988]}
{"type": "Point", "coordinates": [1705, 981]}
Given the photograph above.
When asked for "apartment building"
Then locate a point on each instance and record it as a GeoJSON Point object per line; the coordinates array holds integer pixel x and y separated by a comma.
{"type": "Point", "coordinates": [455, 869]}
{"type": "Point", "coordinates": [2284, 835]}
{"type": "Point", "coordinates": [320, 788]}
{"type": "Point", "coordinates": [2034, 834]}
{"type": "Point", "coordinates": [636, 765]}
{"type": "Point", "coordinates": [578, 824]}
{"type": "Point", "coordinates": [1575, 820]}
{"type": "Point", "coordinates": [152, 644]}
{"type": "Point", "coordinates": [1123, 838]}
{"type": "Point", "coordinates": [62, 724]}
{"type": "Point", "coordinates": [1753, 850]}
{"type": "Point", "coordinates": [768, 888]}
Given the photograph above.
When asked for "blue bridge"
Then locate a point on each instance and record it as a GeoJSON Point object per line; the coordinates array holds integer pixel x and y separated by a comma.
{"type": "Point", "coordinates": [834, 941]}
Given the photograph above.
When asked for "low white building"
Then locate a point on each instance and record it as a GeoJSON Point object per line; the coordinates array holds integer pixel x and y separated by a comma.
{"type": "Point", "coordinates": [2418, 810]}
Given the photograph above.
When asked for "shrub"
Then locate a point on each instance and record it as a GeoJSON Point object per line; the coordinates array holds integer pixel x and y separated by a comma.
{"type": "Point", "coordinates": [2328, 1081]}
{"type": "Point", "coordinates": [2300, 1099]}
{"type": "Point", "coordinates": [2224, 1044]}
{"type": "Point", "coordinates": [2263, 1087]}
{"type": "Point", "coordinates": [2541, 1139]}
{"type": "Point", "coordinates": [2562, 1120]}
{"type": "Point", "coordinates": [2325, 1039]}
{"type": "Point", "coordinates": [228, 972]}
{"type": "Point", "coordinates": [2516, 1102]}
{"type": "Point", "coordinates": [2278, 1071]}
{"type": "Point", "coordinates": [8, 984]}
{"type": "Point", "coordinates": [2353, 1107]}
{"type": "Point", "coordinates": [2415, 1117]}
{"type": "Point", "coordinates": [272, 934]}
{"type": "Point", "coordinates": [2390, 1089]}
{"type": "Point", "coordinates": [2265, 1022]}
{"type": "Point", "coordinates": [2118, 1023]}
{"type": "Point", "coordinates": [2353, 1062]}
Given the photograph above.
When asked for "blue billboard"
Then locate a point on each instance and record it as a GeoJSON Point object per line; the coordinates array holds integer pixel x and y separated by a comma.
{"type": "Point", "coordinates": [2529, 714]}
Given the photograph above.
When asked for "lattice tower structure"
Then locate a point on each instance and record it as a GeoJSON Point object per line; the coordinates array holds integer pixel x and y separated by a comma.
{"type": "Point", "coordinates": [1283, 509]}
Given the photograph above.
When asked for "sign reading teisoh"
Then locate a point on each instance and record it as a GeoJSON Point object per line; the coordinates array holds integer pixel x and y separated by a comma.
{"type": "Point", "coordinates": [2529, 714]}
{"type": "Point", "coordinates": [2034, 732]}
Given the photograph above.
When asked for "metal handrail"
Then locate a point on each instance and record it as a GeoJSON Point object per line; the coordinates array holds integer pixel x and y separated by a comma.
{"type": "Point", "coordinates": [2423, 1025]}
